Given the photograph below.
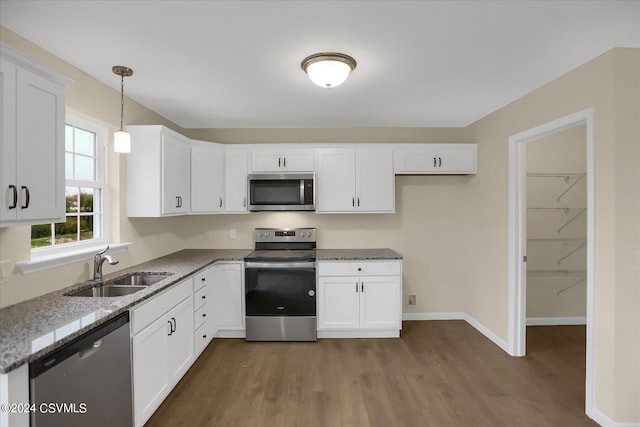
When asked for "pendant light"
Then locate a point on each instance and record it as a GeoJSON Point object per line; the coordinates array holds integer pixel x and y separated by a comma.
{"type": "Point", "coordinates": [328, 69]}
{"type": "Point", "coordinates": [122, 139]}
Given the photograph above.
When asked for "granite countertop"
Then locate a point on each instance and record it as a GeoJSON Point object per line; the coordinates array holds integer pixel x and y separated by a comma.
{"type": "Point", "coordinates": [33, 328]}
{"type": "Point", "coordinates": [356, 254]}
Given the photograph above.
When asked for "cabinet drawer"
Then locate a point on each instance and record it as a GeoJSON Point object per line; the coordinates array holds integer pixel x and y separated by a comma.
{"type": "Point", "coordinates": [199, 280]}
{"type": "Point", "coordinates": [202, 336]}
{"type": "Point", "coordinates": [359, 268]}
{"type": "Point", "coordinates": [201, 315]}
{"type": "Point", "coordinates": [145, 314]}
{"type": "Point", "coordinates": [200, 297]}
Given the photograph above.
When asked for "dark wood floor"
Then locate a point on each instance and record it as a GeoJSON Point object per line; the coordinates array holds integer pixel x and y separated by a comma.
{"type": "Point", "coordinates": [440, 373]}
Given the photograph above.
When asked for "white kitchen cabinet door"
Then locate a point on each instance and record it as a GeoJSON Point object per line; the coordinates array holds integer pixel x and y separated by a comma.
{"type": "Point", "coordinates": [380, 302]}
{"type": "Point", "coordinates": [180, 343]}
{"type": "Point", "coordinates": [207, 177]}
{"type": "Point", "coordinates": [227, 296]}
{"type": "Point", "coordinates": [236, 181]}
{"type": "Point", "coordinates": [158, 172]}
{"type": "Point", "coordinates": [150, 369]}
{"type": "Point", "coordinates": [335, 180]}
{"type": "Point", "coordinates": [297, 160]}
{"type": "Point", "coordinates": [375, 181]}
{"type": "Point", "coordinates": [359, 180]}
{"type": "Point", "coordinates": [281, 160]}
{"type": "Point", "coordinates": [338, 302]}
{"type": "Point", "coordinates": [435, 159]}
{"type": "Point", "coordinates": [176, 175]}
{"type": "Point", "coordinates": [31, 156]}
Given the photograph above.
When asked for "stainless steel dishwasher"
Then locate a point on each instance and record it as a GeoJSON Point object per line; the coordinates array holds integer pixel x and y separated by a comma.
{"type": "Point", "coordinates": [87, 382]}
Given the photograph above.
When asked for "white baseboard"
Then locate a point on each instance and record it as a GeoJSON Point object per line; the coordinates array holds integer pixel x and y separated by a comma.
{"type": "Point", "coordinates": [605, 421]}
{"type": "Point", "coordinates": [458, 315]}
{"type": "Point", "coordinates": [550, 321]}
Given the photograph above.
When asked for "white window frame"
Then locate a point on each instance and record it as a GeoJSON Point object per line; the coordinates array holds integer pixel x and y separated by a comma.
{"type": "Point", "coordinates": [51, 256]}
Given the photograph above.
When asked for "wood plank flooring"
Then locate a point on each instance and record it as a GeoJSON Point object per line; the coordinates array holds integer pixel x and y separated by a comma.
{"type": "Point", "coordinates": [440, 373]}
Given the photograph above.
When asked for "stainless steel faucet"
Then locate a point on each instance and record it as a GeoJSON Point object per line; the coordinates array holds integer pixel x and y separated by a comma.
{"type": "Point", "coordinates": [100, 258]}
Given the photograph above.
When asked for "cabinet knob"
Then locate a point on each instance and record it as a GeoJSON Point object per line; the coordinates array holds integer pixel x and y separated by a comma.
{"type": "Point", "coordinates": [204, 314]}
{"type": "Point", "coordinates": [204, 297]}
{"type": "Point", "coordinates": [203, 279]}
{"type": "Point", "coordinates": [204, 336]}
{"type": "Point", "coordinates": [359, 268]}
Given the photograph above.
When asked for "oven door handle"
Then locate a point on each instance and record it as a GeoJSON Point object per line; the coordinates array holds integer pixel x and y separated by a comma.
{"type": "Point", "coordinates": [274, 265]}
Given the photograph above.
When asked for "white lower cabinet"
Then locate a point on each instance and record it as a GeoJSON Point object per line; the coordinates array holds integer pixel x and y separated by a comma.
{"type": "Point", "coordinates": [359, 299]}
{"type": "Point", "coordinates": [162, 347]}
{"type": "Point", "coordinates": [203, 322]}
{"type": "Point", "coordinates": [226, 289]}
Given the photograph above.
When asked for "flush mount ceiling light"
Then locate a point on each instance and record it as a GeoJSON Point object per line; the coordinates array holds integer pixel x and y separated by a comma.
{"type": "Point", "coordinates": [328, 69]}
{"type": "Point", "coordinates": [121, 139]}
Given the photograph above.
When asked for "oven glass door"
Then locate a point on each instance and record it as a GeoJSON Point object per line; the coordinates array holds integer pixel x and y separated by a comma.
{"type": "Point", "coordinates": [280, 289]}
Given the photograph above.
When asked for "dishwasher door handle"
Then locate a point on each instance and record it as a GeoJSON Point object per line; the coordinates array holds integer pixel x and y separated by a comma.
{"type": "Point", "coordinates": [90, 351]}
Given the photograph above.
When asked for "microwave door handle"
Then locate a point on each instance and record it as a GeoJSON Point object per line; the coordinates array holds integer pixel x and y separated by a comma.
{"type": "Point", "coordinates": [302, 191]}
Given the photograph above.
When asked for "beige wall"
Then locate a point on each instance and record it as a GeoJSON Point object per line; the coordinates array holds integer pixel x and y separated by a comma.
{"type": "Point", "coordinates": [452, 230]}
{"type": "Point", "coordinates": [609, 84]}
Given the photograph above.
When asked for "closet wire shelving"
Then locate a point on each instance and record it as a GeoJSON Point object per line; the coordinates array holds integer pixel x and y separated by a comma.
{"type": "Point", "coordinates": [575, 277]}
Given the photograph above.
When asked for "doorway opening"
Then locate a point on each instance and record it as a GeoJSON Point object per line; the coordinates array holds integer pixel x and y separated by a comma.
{"type": "Point", "coordinates": [567, 249]}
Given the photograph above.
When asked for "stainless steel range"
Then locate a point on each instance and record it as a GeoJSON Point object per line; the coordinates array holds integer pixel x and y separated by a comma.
{"type": "Point", "coordinates": [280, 285]}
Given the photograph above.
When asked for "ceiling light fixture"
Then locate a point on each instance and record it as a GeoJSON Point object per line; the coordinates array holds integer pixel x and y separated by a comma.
{"type": "Point", "coordinates": [328, 69]}
{"type": "Point", "coordinates": [121, 139]}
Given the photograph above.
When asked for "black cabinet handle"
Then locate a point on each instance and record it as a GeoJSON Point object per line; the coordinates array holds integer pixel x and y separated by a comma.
{"type": "Point", "coordinates": [15, 197]}
{"type": "Point", "coordinates": [279, 162]}
{"type": "Point", "coordinates": [434, 162]}
{"type": "Point", "coordinates": [353, 201]}
{"type": "Point", "coordinates": [361, 286]}
{"type": "Point", "coordinates": [170, 327]}
{"type": "Point", "coordinates": [27, 197]}
{"type": "Point", "coordinates": [439, 162]}
{"type": "Point", "coordinates": [356, 286]}
{"type": "Point", "coordinates": [220, 201]}
{"type": "Point", "coordinates": [358, 201]}
{"type": "Point", "coordinates": [284, 162]}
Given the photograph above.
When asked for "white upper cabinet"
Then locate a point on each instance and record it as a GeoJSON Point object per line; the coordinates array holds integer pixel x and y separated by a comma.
{"type": "Point", "coordinates": [207, 178]}
{"type": "Point", "coordinates": [355, 180]}
{"type": "Point", "coordinates": [435, 159]}
{"type": "Point", "coordinates": [32, 146]}
{"type": "Point", "coordinates": [158, 172]}
{"type": "Point", "coordinates": [236, 181]}
{"type": "Point", "coordinates": [281, 160]}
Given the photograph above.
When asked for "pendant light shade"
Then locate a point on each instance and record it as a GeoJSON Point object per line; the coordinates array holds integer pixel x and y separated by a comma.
{"type": "Point", "coordinates": [122, 142]}
{"type": "Point", "coordinates": [121, 139]}
{"type": "Point", "coordinates": [328, 69]}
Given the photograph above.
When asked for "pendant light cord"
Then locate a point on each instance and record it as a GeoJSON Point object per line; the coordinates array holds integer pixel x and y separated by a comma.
{"type": "Point", "coordinates": [121, 102]}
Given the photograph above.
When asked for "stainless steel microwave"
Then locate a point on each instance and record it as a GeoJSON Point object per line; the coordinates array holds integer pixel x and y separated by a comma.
{"type": "Point", "coordinates": [281, 192]}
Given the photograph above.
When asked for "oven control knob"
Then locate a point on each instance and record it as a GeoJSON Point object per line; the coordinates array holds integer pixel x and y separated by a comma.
{"type": "Point", "coordinates": [312, 292]}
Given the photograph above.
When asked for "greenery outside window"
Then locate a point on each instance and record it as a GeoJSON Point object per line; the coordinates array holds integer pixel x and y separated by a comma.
{"type": "Point", "coordinates": [85, 192]}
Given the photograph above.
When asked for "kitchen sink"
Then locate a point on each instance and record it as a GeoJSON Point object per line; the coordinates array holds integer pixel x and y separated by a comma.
{"type": "Point", "coordinates": [137, 279]}
{"type": "Point", "coordinates": [126, 285]}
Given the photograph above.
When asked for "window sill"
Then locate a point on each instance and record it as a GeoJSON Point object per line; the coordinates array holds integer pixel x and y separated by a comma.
{"type": "Point", "coordinates": [44, 262]}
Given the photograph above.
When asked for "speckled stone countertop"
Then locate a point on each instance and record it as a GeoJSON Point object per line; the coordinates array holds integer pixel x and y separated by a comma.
{"type": "Point", "coordinates": [33, 328]}
{"type": "Point", "coordinates": [356, 254]}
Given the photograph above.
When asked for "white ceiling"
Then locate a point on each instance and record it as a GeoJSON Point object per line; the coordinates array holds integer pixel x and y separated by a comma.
{"type": "Point", "coordinates": [218, 64]}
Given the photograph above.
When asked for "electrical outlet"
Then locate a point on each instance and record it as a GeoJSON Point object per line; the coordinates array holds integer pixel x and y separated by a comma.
{"type": "Point", "coordinates": [411, 300]}
{"type": "Point", "coordinates": [233, 234]}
